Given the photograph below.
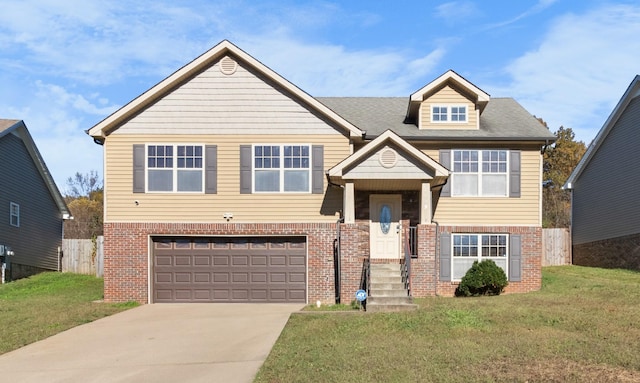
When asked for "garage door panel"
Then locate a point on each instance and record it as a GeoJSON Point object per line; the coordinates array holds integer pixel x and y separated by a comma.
{"type": "Point", "coordinates": [220, 260]}
{"type": "Point", "coordinates": [258, 278]}
{"type": "Point", "coordinates": [240, 260]}
{"type": "Point", "coordinates": [202, 278]}
{"type": "Point", "coordinates": [239, 277]}
{"type": "Point", "coordinates": [183, 277]}
{"type": "Point", "coordinates": [278, 278]}
{"type": "Point", "coordinates": [164, 277]}
{"type": "Point", "coordinates": [296, 277]}
{"type": "Point", "coordinates": [259, 260]}
{"type": "Point", "coordinates": [202, 295]}
{"type": "Point", "coordinates": [202, 260]}
{"type": "Point", "coordinates": [164, 260]}
{"type": "Point", "coordinates": [220, 278]}
{"type": "Point", "coordinates": [218, 269]}
{"type": "Point", "coordinates": [277, 260]}
{"type": "Point", "coordinates": [297, 260]}
{"type": "Point", "coordinates": [183, 294]}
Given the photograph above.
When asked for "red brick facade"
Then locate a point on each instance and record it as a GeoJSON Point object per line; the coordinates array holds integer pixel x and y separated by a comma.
{"type": "Point", "coordinates": [127, 254]}
{"type": "Point", "coordinates": [620, 252]}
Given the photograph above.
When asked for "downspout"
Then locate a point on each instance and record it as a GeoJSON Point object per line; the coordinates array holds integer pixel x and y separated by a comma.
{"type": "Point", "coordinates": [437, 259]}
{"type": "Point", "coordinates": [336, 249]}
{"type": "Point", "coordinates": [338, 261]}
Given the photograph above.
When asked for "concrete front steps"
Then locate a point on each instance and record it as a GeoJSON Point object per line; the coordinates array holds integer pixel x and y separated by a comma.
{"type": "Point", "coordinates": [386, 289]}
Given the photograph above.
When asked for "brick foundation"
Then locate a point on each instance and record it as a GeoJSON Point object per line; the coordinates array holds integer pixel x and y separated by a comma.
{"type": "Point", "coordinates": [620, 252]}
{"type": "Point", "coordinates": [531, 257]}
{"type": "Point", "coordinates": [126, 256]}
{"type": "Point", "coordinates": [126, 253]}
{"type": "Point", "coordinates": [425, 269]}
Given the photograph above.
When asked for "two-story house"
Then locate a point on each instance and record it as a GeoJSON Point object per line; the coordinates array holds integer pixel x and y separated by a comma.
{"type": "Point", "coordinates": [227, 183]}
{"type": "Point", "coordinates": [33, 210]}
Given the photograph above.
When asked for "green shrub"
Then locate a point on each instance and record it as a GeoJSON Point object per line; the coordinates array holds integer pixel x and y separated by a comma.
{"type": "Point", "coordinates": [483, 278]}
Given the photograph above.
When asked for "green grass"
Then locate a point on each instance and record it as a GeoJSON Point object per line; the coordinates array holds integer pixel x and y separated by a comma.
{"type": "Point", "coordinates": [35, 308]}
{"type": "Point", "coordinates": [583, 326]}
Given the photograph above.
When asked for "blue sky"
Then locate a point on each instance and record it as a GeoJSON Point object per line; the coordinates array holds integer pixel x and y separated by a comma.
{"type": "Point", "coordinates": [67, 64]}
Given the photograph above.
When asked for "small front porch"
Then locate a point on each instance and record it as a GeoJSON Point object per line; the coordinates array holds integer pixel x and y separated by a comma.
{"type": "Point", "coordinates": [387, 241]}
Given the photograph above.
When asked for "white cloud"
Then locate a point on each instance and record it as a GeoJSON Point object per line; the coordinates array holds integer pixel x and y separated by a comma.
{"type": "Point", "coordinates": [333, 70]}
{"type": "Point", "coordinates": [540, 6]}
{"type": "Point", "coordinates": [580, 70]}
{"type": "Point", "coordinates": [455, 12]}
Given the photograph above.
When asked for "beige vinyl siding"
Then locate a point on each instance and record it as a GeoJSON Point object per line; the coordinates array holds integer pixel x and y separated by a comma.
{"type": "Point", "coordinates": [447, 96]}
{"type": "Point", "coordinates": [497, 210]}
{"type": "Point", "coordinates": [185, 207]}
{"type": "Point", "coordinates": [371, 168]}
{"type": "Point", "coordinates": [215, 103]}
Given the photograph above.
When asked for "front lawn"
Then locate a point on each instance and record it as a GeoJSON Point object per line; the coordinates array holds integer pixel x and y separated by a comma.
{"type": "Point", "coordinates": [583, 326]}
{"type": "Point", "coordinates": [35, 308]}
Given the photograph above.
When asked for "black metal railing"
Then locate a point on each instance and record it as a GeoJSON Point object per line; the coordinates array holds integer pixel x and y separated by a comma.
{"type": "Point", "coordinates": [406, 265]}
{"type": "Point", "coordinates": [413, 241]}
{"type": "Point", "coordinates": [365, 278]}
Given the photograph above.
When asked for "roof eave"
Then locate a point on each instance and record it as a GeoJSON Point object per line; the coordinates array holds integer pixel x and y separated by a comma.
{"type": "Point", "coordinates": [113, 121]}
{"type": "Point", "coordinates": [632, 89]}
{"type": "Point", "coordinates": [21, 129]}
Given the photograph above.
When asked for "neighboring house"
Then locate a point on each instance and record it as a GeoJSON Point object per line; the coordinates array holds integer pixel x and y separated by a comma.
{"type": "Point", "coordinates": [605, 208]}
{"type": "Point", "coordinates": [227, 183]}
{"type": "Point", "coordinates": [32, 207]}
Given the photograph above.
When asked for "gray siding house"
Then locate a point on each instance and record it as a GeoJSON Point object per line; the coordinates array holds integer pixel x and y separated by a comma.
{"type": "Point", "coordinates": [32, 209]}
{"type": "Point", "coordinates": [605, 209]}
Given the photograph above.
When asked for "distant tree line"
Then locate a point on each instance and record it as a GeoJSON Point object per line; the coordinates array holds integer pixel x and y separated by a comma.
{"type": "Point", "coordinates": [559, 161]}
{"type": "Point", "coordinates": [84, 196]}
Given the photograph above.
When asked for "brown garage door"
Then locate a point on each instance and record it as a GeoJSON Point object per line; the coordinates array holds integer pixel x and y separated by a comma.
{"type": "Point", "coordinates": [229, 269]}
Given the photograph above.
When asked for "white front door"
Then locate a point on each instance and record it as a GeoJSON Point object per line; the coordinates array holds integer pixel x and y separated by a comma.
{"type": "Point", "coordinates": [385, 211]}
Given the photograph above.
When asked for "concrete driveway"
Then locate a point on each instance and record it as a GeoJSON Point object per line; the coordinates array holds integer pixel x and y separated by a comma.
{"type": "Point", "coordinates": [156, 343]}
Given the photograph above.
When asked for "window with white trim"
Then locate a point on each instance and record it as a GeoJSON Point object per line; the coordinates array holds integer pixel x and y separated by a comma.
{"type": "Point", "coordinates": [175, 168]}
{"type": "Point", "coordinates": [282, 168]}
{"type": "Point", "coordinates": [480, 173]}
{"type": "Point", "coordinates": [14, 214]}
{"type": "Point", "coordinates": [448, 113]}
{"type": "Point", "coordinates": [468, 248]}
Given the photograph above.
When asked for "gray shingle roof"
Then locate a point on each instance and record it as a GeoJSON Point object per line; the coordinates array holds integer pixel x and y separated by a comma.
{"type": "Point", "coordinates": [503, 119]}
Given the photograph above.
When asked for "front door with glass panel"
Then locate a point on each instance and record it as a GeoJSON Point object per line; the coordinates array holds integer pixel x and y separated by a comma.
{"type": "Point", "coordinates": [385, 211]}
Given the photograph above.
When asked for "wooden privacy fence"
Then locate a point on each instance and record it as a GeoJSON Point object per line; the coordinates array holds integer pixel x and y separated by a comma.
{"type": "Point", "coordinates": [83, 256]}
{"type": "Point", "coordinates": [556, 247]}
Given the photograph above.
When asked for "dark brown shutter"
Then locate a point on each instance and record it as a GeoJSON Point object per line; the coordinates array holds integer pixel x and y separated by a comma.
{"type": "Point", "coordinates": [211, 169]}
{"type": "Point", "coordinates": [138, 168]}
{"type": "Point", "coordinates": [445, 257]}
{"type": "Point", "coordinates": [515, 258]}
{"type": "Point", "coordinates": [245, 169]}
{"type": "Point", "coordinates": [514, 173]}
{"type": "Point", "coordinates": [445, 160]}
{"type": "Point", "coordinates": [317, 169]}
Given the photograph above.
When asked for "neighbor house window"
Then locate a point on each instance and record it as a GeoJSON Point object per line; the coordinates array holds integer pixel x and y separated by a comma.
{"type": "Point", "coordinates": [14, 214]}
{"type": "Point", "coordinates": [175, 168]}
{"type": "Point", "coordinates": [480, 173]}
{"type": "Point", "coordinates": [468, 248]}
{"type": "Point", "coordinates": [449, 113]}
{"type": "Point", "coordinates": [281, 168]}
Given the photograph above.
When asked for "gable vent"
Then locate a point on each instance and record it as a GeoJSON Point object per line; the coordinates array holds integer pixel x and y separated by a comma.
{"type": "Point", "coordinates": [388, 158]}
{"type": "Point", "coordinates": [228, 66]}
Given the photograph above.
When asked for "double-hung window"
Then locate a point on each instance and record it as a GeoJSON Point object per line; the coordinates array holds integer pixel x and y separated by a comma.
{"type": "Point", "coordinates": [175, 168]}
{"type": "Point", "coordinates": [282, 168]}
{"type": "Point", "coordinates": [449, 113]}
{"type": "Point", "coordinates": [14, 214]}
{"type": "Point", "coordinates": [468, 248]}
{"type": "Point", "coordinates": [480, 173]}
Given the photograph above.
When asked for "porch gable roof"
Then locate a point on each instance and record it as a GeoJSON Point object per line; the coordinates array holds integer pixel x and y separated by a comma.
{"type": "Point", "coordinates": [346, 167]}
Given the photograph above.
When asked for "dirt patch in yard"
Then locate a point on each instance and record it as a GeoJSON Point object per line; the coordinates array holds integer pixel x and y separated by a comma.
{"type": "Point", "coordinates": [560, 371]}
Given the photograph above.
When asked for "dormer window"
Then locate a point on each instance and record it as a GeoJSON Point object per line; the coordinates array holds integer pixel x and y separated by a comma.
{"type": "Point", "coordinates": [448, 113]}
